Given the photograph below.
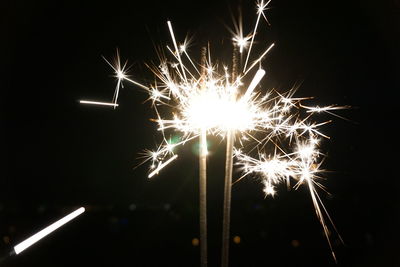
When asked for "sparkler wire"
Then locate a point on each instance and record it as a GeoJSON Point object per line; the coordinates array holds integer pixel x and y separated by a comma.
{"type": "Point", "coordinates": [230, 136]}
{"type": "Point", "coordinates": [203, 197]}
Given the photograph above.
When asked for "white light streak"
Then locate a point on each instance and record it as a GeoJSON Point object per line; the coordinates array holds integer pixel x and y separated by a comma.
{"type": "Point", "coordinates": [260, 58]}
{"type": "Point", "coordinates": [136, 83]}
{"type": "Point", "coordinates": [41, 234]}
{"type": "Point", "coordinates": [176, 47]}
{"type": "Point", "coordinates": [256, 80]}
{"type": "Point", "coordinates": [98, 103]}
{"type": "Point", "coordinates": [156, 171]}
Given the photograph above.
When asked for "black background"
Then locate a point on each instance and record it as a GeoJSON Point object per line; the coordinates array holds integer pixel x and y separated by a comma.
{"type": "Point", "coordinates": [59, 155]}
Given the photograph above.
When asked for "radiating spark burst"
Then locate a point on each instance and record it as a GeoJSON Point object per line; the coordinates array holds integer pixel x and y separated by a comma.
{"type": "Point", "coordinates": [200, 98]}
{"type": "Point", "coordinates": [239, 40]}
{"type": "Point", "coordinates": [299, 161]}
{"type": "Point", "coordinates": [194, 98]}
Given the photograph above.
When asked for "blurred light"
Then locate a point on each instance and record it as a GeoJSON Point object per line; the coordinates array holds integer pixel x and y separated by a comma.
{"type": "Point", "coordinates": [36, 237]}
{"type": "Point", "coordinates": [295, 243]}
{"type": "Point", "coordinates": [6, 239]}
{"type": "Point", "coordinates": [236, 239]}
{"type": "Point", "coordinates": [195, 242]}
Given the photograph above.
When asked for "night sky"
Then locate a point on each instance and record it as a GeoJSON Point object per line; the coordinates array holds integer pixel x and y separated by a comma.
{"type": "Point", "coordinates": [59, 155]}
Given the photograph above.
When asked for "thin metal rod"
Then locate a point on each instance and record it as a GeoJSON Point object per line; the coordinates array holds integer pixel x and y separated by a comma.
{"type": "Point", "coordinates": [227, 198]}
{"type": "Point", "coordinates": [203, 197]}
{"type": "Point", "coordinates": [235, 64]}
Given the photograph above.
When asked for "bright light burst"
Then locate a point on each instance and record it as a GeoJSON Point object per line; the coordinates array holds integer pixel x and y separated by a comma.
{"type": "Point", "coordinates": [191, 97]}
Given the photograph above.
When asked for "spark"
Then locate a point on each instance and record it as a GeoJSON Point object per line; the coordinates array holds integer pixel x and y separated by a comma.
{"type": "Point", "coordinates": [261, 8]}
{"type": "Point", "coordinates": [238, 38]}
{"type": "Point", "coordinates": [318, 109]}
{"type": "Point", "coordinates": [49, 229]}
{"type": "Point", "coordinates": [156, 171]}
{"type": "Point", "coordinates": [269, 189]}
{"type": "Point", "coordinates": [260, 58]}
{"type": "Point", "coordinates": [120, 73]}
{"type": "Point", "coordinates": [256, 80]}
{"type": "Point", "coordinates": [98, 103]}
{"type": "Point", "coordinates": [302, 165]}
{"type": "Point", "coordinates": [241, 42]}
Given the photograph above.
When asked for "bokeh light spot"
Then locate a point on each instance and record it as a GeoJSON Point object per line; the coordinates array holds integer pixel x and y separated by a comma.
{"type": "Point", "coordinates": [195, 242]}
{"type": "Point", "coordinates": [236, 239]}
{"type": "Point", "coordinates": [295, 243]}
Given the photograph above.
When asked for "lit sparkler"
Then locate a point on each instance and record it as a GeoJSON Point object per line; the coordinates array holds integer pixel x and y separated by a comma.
{"type": "Point", "coordinates": [203, 99]}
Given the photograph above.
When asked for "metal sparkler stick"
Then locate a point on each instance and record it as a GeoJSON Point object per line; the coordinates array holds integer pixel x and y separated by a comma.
{"type": "Point", "coordinates": [203, 197]}
{"type": "Point", "coordinates": [230, 137]}
{"type": "Point", "coordinates": [227, 198]}
{"type": "Point", "coordinates": [203, 179]}
{"type": "Point", "coordinates": [228, 174]}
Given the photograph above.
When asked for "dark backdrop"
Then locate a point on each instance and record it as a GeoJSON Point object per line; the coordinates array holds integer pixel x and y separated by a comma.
{"type": "Point", "coordinates": [59, 155]}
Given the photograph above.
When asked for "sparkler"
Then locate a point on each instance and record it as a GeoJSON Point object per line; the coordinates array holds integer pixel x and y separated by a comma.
{"type": "Point", "coordinates": [205, 99]}
{"type": "Point", "coordinates": [203, 102]}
